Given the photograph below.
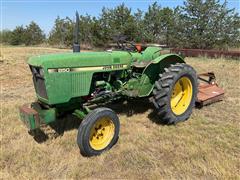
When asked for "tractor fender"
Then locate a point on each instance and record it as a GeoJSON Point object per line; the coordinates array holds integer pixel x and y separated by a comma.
{"type": "Point", "coordinates": [169, 58]}
{"type": "Point", "coordinates": [153, 69]}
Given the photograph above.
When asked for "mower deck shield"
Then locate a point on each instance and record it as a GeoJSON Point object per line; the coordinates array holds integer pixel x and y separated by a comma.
{"type": "Point", "coordinates": [208, 90]}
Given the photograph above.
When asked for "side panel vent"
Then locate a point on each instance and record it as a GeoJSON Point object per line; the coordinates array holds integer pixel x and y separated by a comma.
{"type": "Point", "coordinates": [80, 84]}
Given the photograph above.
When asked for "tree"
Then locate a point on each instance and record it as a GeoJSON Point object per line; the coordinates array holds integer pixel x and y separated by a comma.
{"type": "Point", "coordinates": [118, 21]}
{"type": "Point", "coordinates": [86, 31]}
{"type": "Point", "coordinates": [167, 25]}
{"type": "Point", "coordinates": [158, 23]}
{"type": "Point", "coordinates": [6, 36]}
{"type": "Point", "coordinates": [33, 34]}
{"type": "Point", "coordinates": [196, 24]}
{"type": "Point", "coordinates": [17, 36]}
{"type": "Point", "coordinates": [227, 28]}
{"type": "Point", "coordinates": [152, 23]}
{"type": "Point", "coordinates": [96, 32]}
{"type": "Point", "coordinates": [207, 24]}
{"type": "Point", "coordinates": [139, 25]}
{"type": "Point", "coordinates": [179, 35]}
{"type": "Point", "coordinates": [62, 32]}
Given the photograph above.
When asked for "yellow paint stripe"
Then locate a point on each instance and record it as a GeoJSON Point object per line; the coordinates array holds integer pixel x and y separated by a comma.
{"type": "Point", "coordinates": [94, 68]}
{"type": "Point", "coordinates": [87, 69]}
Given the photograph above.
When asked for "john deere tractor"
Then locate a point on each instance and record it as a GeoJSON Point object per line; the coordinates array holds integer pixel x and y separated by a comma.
{"type": "Point", "coordinates": [73, 82]}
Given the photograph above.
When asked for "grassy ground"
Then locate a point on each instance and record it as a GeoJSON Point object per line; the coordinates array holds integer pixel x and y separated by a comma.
{"type": "Point", "coordinates": [206, 146]}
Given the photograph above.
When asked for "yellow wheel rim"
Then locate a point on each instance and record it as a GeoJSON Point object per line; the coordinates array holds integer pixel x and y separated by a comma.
{"type": "Point", "coordinates": [181, 95]}
{"type": "Point", "coordinates": [101, 133]}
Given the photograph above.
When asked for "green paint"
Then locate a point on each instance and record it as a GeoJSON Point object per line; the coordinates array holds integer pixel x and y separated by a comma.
{"type": "Point", "coordinates": [83, 59]}
{"type": "Point", "coordinates": [68, 78]}
{"type": "Point", "coordinates": [48, 116]}
{"type": "Point", "coordinates": [28, 120]}
{"type": "Point", "coordinates": [80, 114]}
{"type": "Point", "coordinates": [152, 71]}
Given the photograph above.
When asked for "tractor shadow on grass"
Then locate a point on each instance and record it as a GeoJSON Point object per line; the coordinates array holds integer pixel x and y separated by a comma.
{"type": "Point", "coordinates": [137, 106]}
{"type": "Point", "coordinates": [56, 129]}
{"type": "Point", "coordinates": [70, 122]}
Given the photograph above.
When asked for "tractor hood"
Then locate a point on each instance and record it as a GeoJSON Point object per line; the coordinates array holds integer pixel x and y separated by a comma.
{"type": "Point", "coordinates": [83, 59]}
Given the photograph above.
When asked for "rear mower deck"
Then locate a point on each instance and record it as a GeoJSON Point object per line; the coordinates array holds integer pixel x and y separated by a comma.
{"type": "Point", "coordinates": [208, 90]}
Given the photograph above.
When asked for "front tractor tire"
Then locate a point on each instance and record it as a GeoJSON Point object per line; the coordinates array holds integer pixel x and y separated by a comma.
{"type": "Point", "coordinates": [98, 132]}
{"type": "Point", "coordinates": [175, 92]}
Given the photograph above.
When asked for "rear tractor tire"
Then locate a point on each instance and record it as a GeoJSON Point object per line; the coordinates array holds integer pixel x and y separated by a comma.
{"type": "Point", "coordinates": [98, 132]}
{"type": "Point", "coordinates": [175, 92]}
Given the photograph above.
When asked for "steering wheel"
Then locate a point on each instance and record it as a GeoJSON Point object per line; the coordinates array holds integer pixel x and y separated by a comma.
{"type": "Point", "coordinates": [123, 44]}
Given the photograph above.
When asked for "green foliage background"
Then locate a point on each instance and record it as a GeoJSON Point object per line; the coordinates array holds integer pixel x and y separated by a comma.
{"type": "Point", "coordinates": [204, 24]}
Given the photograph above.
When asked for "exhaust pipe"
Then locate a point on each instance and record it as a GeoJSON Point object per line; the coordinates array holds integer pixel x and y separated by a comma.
{"type": "Point", "coordinates": [76, 44]}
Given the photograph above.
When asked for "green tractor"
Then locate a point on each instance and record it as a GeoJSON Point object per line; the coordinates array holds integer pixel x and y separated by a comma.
{"type": "Point", "coordinates": [74, 82]}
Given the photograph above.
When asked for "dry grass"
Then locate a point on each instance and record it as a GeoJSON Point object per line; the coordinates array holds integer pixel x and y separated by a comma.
{"type": "Point", "coordinates": [207, 146]}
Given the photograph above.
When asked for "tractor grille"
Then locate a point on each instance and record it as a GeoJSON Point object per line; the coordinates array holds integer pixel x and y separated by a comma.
{"type": "Point", "coordinates": [39, 82]}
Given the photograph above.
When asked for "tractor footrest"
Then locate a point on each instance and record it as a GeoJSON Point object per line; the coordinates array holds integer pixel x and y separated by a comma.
{"type": "Point", "coordinates": [29, 116]}
{"type": "Point", "coordinates": [208, 91]}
